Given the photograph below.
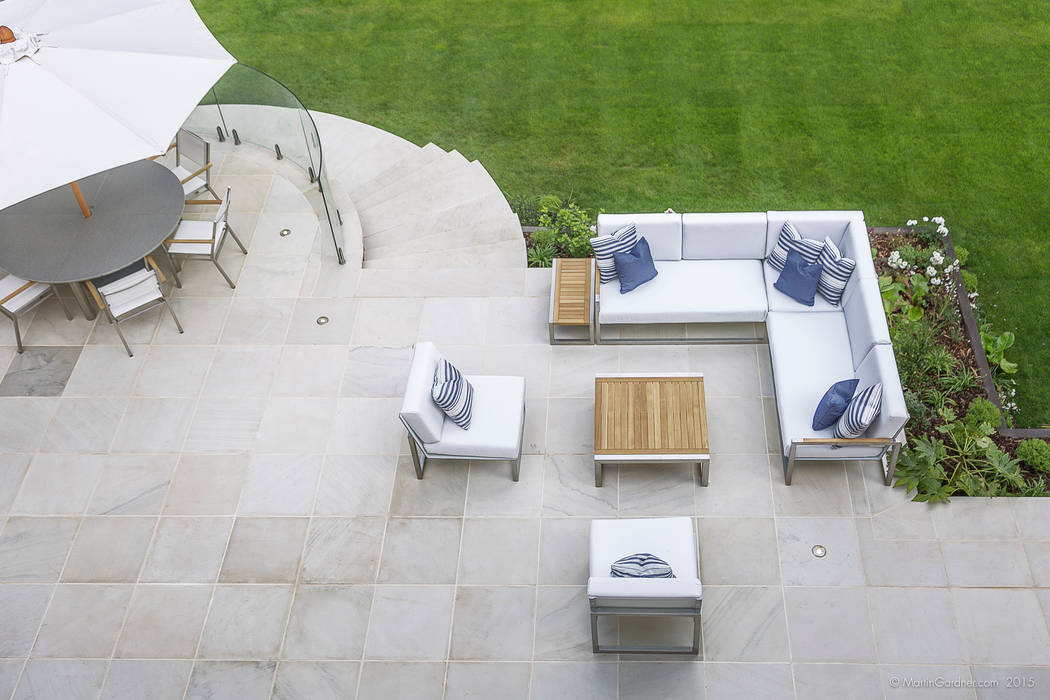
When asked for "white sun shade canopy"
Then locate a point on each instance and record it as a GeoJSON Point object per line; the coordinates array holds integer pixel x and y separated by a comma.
{"type": "Point", "coordinates": [92, 84]}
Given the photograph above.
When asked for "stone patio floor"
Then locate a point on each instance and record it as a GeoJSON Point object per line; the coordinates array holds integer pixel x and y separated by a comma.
{"type": "Point", "coordinates": [233, 514]}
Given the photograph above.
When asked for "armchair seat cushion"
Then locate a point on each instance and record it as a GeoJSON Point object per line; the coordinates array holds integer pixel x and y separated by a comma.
{"type": "Point", "coordinates": [691, 291]}
{"type": "Point", "coordinates": [671, 539]}
{"type": "Point", "coordinates": [496, 423]}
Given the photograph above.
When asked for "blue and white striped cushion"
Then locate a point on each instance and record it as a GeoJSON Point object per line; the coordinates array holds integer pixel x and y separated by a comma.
{"type": "Point", "coordinates": [643, 565]}
{"type": "Point", "coordinates": [791, 239]}
{"type": "Point", "coordinates": [860, 413]}
{"type": "Point", "coordinates": [835, 271]}
{"type": "Point", "coordinates": [453, 394]}
{"type": "Point", "coordinates": [620, 241]}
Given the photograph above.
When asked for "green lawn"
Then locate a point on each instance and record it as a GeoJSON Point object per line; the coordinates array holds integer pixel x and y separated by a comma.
{"type": "Point", "coordinates": [897, 108]}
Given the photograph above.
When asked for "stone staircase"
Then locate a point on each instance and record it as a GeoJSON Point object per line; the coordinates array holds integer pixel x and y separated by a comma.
{"type": "Point", "coordinates": [422, 207]}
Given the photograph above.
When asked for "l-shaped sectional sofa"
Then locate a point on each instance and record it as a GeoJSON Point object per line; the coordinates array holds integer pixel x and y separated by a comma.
{"type": "Point", "coordinates": [712, 269]}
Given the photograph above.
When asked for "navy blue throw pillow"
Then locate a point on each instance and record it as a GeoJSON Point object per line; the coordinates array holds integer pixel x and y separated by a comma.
{"type": "Point", "coordinates": [833, 404]}
{"type": "Point", "coordinates": [799, 279]}
{"type": "Point", "coordinates": [635, 267]}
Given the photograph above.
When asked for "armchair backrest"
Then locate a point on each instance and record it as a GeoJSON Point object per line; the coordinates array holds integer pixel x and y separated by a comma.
{"type": "Point", "coordinates": [663, 232]}
{"type": "Point", "coordinates": [724, 236]}
{"type": "Point", "coordinates": [220, 220]}
{"type": "Point", "coordinates": [418, 409]}
{"type": "Point", "coordinates": [879, 365]}
{"type": "Point", "coordinates": [194, 150]}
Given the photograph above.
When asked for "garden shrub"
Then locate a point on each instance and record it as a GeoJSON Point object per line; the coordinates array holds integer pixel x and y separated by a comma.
{"type": "Point", "coordinates": [1035, 453]}
{"type": "Point", "coordinates": [981, 411]}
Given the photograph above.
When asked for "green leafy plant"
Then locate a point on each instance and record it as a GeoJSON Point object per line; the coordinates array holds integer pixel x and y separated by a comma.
{"type": "Point", "coordinates": [980, 412]}
{"type": "Point", "coordinates": [995, 347]}
{"type": "Point", "coordinates": [1035, 454]}
{"type": "Point", "coordinates": [527, 208]}
{"type": "Point", "coordinates": [541, 254]}
{"type": "Point", "coordinates": [571, 225]}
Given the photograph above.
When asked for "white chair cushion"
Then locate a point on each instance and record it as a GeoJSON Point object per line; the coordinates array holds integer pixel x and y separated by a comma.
{"type": "Point", "coordinates": [10, 283]}
{"type": "Point", "coordinates": [865, 319]}
{"type": "Point", "coordinates": [130, 298]}
{"type": "Point", "coordinates": [194, 231]}
{"type": "Point", "coordinates": [663, 232]}
{"type": "Point", "coordinates": [812, 224]}
{"type": "Point", "coordinates": [810, 352]}
{"type": "Point", "coordinates": [671, 539]}
{"type": "Point", "coordinates": [193, 184]}
{"type": "Point", "coordinates": [495, 429]}
{"type": "Point", "coordinates": [418, 408]}
{"type": "Point", "coordinates": [724, 236]}
{"type": "Point", "coordinates": [691, 291]}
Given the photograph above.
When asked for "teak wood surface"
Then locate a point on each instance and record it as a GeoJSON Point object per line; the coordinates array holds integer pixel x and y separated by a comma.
{"type": "Point", "coordinates": [650, 415]}
{"type": "Point", "coordinates": [571, 292]}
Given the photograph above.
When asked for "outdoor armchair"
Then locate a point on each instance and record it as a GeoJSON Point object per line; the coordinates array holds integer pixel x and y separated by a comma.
{"type": "Point", "coordinates": [203, 240]}
{"type": "Point", "coordinates": [193, 166]}
{"type": "Point", "coordinates": [671, 539]}
{"type": "Point", "coordinates": [496, 428]}
{"type": "Point", "coordinates": [19, 296]}
{"type": "Point", "coordinates": [129, 292]}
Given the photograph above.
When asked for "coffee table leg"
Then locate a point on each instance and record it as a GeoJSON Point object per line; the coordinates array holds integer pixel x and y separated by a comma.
{"type": "Point", "coordinates": [704, 471]}
{"type": "Point", "coordinates": [599, 473]}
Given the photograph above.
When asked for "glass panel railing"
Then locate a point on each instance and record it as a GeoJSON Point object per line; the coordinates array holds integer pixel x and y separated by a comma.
{"type": "Point", "coordinates": [246, 105]}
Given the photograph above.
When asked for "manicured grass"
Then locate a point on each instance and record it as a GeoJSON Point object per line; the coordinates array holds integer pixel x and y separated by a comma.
{"type": "Point", "coordinates": [897, 108]}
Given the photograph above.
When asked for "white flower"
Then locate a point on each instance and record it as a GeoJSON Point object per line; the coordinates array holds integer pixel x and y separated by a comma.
{"type": "Point", "coordinates": [905, 264]}
{"type": "Point", "coordinates": [936, 258]}
{"type": "Point", "coordinates": [943, 230]}
{"type": "Point", "coordinates": [938, 220]}
{"type": "Point", "coordinates": [911, 222]}
{"type": "Point", "coordinates": [594, 229]}
{"type": "Point", "coordinates": [935, 281]}
{"type": "Point", "coordinates": [931, 271]}
{"type": "Point", "coordinates": [925, 218]}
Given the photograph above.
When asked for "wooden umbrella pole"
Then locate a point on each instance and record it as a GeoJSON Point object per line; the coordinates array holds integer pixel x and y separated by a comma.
{"type": "Point", "coordinates": [80, 199]}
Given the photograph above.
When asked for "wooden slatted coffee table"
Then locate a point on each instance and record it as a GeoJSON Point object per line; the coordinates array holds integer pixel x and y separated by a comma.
{"type": "Point", "coordinates": [650, 418]}
{"type": "Point", "coordinates": [572, 298]}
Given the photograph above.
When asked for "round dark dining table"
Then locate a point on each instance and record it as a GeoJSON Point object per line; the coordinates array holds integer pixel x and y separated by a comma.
{"type": "Point", "coordinates": [135, 207]}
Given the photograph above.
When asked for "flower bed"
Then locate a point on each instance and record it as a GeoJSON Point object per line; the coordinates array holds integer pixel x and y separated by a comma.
{"type": "Point", "coordinates": [958, 441]}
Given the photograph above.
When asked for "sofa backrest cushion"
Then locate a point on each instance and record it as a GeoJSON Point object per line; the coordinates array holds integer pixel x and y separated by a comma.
{"type": "Point", "coordinates": [865, 319]}
{"type": "Point", "coordinates": [662, 231]}
{"type": "Point", "coordinates": [724, 236]}
{"type": "Point", "coordinates": [418, 408]}
{"type": "Point", "coordinates": [811, 224]}
{"type": "Point", "coordinates": [880, 366]}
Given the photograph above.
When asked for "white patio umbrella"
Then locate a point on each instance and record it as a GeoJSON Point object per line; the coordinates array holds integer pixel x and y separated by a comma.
{"type": "Point", "coordinates": [87, 85]}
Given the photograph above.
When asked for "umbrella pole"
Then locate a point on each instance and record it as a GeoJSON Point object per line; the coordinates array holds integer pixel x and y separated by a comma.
{"type": "Point", "coordinates": [80, 199]}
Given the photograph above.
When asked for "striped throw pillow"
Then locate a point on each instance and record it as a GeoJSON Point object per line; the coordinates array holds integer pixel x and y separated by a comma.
{"type": "Point", "coordinates": [642, 565]}
{"type": "Point", "coordinates": [860, 413]}
{"type": "Point", "coordinates": [835, 271]}
{"type": "Point", "coordinates": [791, 239]}
{"type": "Point", "coordinates": [620, 241]}
{"type": "Point", "coordinates": [453, 394]}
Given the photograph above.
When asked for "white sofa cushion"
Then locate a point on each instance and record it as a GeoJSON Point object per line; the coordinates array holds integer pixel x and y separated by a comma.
{"type": "Point", "coordinates": [724, 236]}
{"type": "Point", "coordinates": [495, 430]}
{"type": "Point", "coordinates": [855, 244]}
{"type": "Point", "coordinates": [809, 352]}
{"type": "Point", "coordinates": [865, 319]}
{"type": "Point", "coordinates": [418, 408]}
{"type": "Point", "coordinates": [690, 291]}
{"type": "Point", "coordinates": [671, 539]}
{"type": "Point", "coordinates": [811, 224]}
{"type": "Point", "coordinates": [880, 365]}
{"type": "Point", "coordinates": [662, 231]}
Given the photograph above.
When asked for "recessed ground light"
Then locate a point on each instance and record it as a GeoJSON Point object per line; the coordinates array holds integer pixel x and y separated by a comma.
{"type": "Point", "coordinates": [321, 320]}
{"type": "Point", "coordinates": [286, 232]}
{"type": "Point", "coordinates": [819, 551]}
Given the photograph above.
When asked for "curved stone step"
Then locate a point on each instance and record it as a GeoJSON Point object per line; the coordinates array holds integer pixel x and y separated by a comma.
{"type": "Point", "coordinates": [410, 163]}
{"type": "Point", "coordinates": [435, 171]}
{"type": "Point", "coordinates": [477, 232]}
{"type": "Point", "coordinates": [505, 254]}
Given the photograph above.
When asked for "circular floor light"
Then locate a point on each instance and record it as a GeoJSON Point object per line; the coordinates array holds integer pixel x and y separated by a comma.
{"type": "Point", "coordinates": [321, 320]}
{"type": "Point", "coordinates": [819, 551]}
{"type": "Point", "coordinates": [286, 232]}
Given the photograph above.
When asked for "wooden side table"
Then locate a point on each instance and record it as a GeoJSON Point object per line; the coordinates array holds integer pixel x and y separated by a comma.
{"type": "Point", "coordinates": [651, 418]}
{"type": "Point", "coordinates": [572, 300]}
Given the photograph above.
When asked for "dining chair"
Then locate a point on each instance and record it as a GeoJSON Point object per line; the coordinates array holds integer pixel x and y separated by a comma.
{"type": "Point", "coordinates": [129, 292]}
{"type": "Point", "coordinates": [193, 166]}
{"type": "Point", "coordinates": [19, 296]}
{"type": "Point", "coordinates": [203, 240]}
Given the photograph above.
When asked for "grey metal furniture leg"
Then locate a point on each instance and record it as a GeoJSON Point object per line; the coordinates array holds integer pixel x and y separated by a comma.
{"type": "Point", "coordinates": [65, 309]}
{"type": "Point", "coordinates": [215, 260]}
{"type": "Point", "coordinates": [789, 466]}
{"type": "Point", "coordinates": [173, 316]}
{"type": "Point", "coordinates": [171, 266]}
{"type": "Point", "coordinates": [18, 334]}
{"type": "Point", "coordinates": [239, 244]}
{"type": "Point", "coordinates": [419, 464]}
{"type": "Point", "coordinates": [515, 468]}
{"type": "Point", "coordinates": [116, 327]}
{"type": "Point", "coordinates": [693, 613]}
{"type": "Point", "coordinates": [90, 312]}
{"type": "Point", "coordinates": [890, 465]}
{"type": "Point", "coordinates": [704, 471]}
{"type": "Point", "coordinates": [599, 473]}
